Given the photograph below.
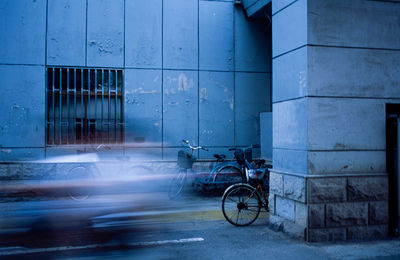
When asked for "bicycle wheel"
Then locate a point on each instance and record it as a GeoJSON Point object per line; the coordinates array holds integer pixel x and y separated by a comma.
{"type": "Point", "coordinates": [80, 174]}
{"type": "Point", "coordinates": [227, 176]}
{"type": "Point", "coordinates": [241, 205]}
{"type": "Point", "coordinates": [176, 184]}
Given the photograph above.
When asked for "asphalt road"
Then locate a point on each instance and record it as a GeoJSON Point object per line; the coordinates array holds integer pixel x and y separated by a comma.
{"type": "Point", "coordinates": [212, 239]}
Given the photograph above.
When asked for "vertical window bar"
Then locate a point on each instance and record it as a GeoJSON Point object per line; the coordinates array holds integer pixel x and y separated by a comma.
{"type": "Point", "coordinates": [67, 119]}
{"type": "Point", "coordinates": [88, 111]}
{"type": "Point", "coordinates": [95, 105]}
{"type": "Point", "coordinates": [82, 114]}
{"type": "Point", "coordinates": [115, 105]}
{"type": "Point", "coordinates": [60, 109]}
{"type": "Point", "coordinates": [102, 106]}
{"type": "Point", "coordinates": [54, 110]}
{"type": "Point", "coordinates": [74, 126]}
{"type": "Point", "coordinates": [109, 105]}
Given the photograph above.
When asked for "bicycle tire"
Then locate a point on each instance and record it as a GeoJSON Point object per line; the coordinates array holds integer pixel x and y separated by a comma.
{"type": "Point", "coordinates": [241, 205]}
{"type": "Point", "coordinates": [82, 172]}
{"type": "Point", "coordinates": [177, 183]}
{"type": "Point", "coordinates": [226, 176]}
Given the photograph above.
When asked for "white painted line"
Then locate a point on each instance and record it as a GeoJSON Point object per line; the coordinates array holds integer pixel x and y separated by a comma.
{"type": "Point", "coordinates": [65, 248]}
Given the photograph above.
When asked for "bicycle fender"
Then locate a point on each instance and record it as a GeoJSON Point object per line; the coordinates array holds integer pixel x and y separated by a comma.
{"type": "Point", "coordinates": [236, 185]}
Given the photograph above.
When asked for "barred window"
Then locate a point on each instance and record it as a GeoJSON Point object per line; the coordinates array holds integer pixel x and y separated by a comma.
{"type": "Point", "coordinates": [84, 106]}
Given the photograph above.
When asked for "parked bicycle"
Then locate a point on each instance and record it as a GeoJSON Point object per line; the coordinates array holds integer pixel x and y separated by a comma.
{"type": "Point", "coordinates": [185, 162]}
{"type": "Point", "coordinates": [242, 202]}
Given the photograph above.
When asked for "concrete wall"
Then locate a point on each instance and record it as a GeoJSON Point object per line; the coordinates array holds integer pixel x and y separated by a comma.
{"type": "Point", "coordinates": [193, 69]}
{"type": "Point", "coordinates": [335, 66]}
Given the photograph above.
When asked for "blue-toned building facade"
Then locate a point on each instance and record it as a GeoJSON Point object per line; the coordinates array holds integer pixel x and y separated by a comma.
{"type": "Point", "coordinates": [193, 69]}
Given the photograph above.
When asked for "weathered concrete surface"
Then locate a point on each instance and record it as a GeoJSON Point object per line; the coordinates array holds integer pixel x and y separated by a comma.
{"type": "Point", "coordinates": [22, 104]}
{"type": "Point", "coordinates": [66, 33]}
{"type": "Point", "coordinates": [251, 98]}
{"type": "Point", "coordinates": [23, 32]}
{"type": "Point", "coordinates": [266, 135]}
{"type": "Point", "coordinates": [354, 23]}
{"type": "Point", "coordinates": [215, 19]}
{"type": "Point", "coordinates": [289, 28]}
{"type": "Point", "coordinates": [290, 79]}
{"type": "Point", "coordinates": [180, 48]}
{"type": "Point", "coordinates": [105, 33]}
{"type": "Point", "coordinates": [216, 109]}
{"type": "Point", "coordinates": [180, 113]}
{"type": "Point", "coordinates": [143, 107]}
{"type": "Point", "coordinates": [359, 71]}
{"type": "Point", "coordinates": [378, 213]}
{"type": "Point", "coordinates": [290, 160]}
{"type": "Point", "coordinates": [290, 124]}
{"type": "Point", "coordinates": [346, 124]}
{"type": "Point", "coordinates": [143, 34]}
{"type": "Point", "coordinates": [338, 162]}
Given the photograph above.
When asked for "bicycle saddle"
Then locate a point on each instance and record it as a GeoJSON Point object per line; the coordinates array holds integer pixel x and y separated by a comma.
{"type": "Point", "coordinates": [220, 157]}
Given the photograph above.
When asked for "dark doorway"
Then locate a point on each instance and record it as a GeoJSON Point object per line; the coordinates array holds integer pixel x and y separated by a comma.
{"type": "Point", "coordinates": [393, 165]}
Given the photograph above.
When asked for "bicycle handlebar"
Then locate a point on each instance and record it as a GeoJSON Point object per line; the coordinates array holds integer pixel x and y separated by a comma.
{"type": "Point", "coordinates": [193, 147]}
{"type": "Point", "coordinates": [245, 147]}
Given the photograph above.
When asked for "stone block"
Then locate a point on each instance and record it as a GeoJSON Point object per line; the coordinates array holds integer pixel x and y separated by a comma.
{"type": "Point", "coordinates": [215, 19]}
{"type": "Point", "coordinates": [22, 122]}
{"type": "Point", "coordinates": [367, 188]}
{"type": "Point", "coordinates": [346, 124]}
{"type": "Point", "coordinates": [24, 32]}
{"type": "Point", "coordinates": [271, 203]}
{"type": "Point", "coordinates": [10, 171]}
{"type": "Point", "coordinates": [180, 34]}
{"type": "Point", "coordinates": [275, 183]}
{"type": "Point", "coordinates": [66, 33]}
{"type": "Point", "coordinates": [37, 171]}
{"type": "Point", "coordinates": [316, 215]}
{"type": "Point", "coordinates": [324, 190]}
{"type": "Point", "coordinates": [369, 232]}
{"type": "Point", "coordinates": [251, 98]}
{"type": "Point", "coordinates": [325, 235]}
{"type": "Point", "coordinates": [290, 160]}
{"type": "Point", "coordinates": [301, 213]}
{"type": "Point", "coordinates": [330, 64]}
{"type": "Point", "coordinates": [143, 107]}
{"type": "Point", "coordinates": [335, 162]}
{"type": "Point", "coordinates": [143, 33]}
{"type": "Point", "coordinates": [290, 75]}
{"type": "Point", "coordinates": [266, 135]}
{"type": "Point", "coordinates": [346, 214]}
{"type": "Point", "coordinates": [294, 188]}
{"type": "Point", "coordinates": [216, 117]}
{"type": "Point", "coordinates": [105, 33]}
{"type": "Point", "coordinates": [353, 23]}
{"type": "Point", "coordinates": [284, 207]}
{"type": "Point", "coordinates": [378, 213]}
{"type": "Point", "coordinates": [180, 107]}
{"type": "Point", "coordinates": [252, 44]}
{"type": "Point", "coordinates": [290, 124]}
{"type": "Point", "coordinates": [290, 23]}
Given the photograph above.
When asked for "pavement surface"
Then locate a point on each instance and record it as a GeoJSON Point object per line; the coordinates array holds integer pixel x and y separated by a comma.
{"type": "Point", "coordinates": [198, 230]}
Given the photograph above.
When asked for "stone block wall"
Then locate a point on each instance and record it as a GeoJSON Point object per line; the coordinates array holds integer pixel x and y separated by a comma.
{"type": "Point", "coordinates": [330, 208]}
